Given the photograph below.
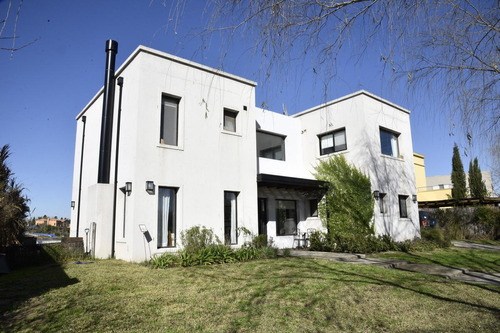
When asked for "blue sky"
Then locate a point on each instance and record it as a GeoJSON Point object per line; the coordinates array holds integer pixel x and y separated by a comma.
{"type": "Point", "coordinates": [45, 85]}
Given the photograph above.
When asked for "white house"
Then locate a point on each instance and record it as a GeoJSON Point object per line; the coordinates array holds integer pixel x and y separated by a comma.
{"type": "Point", "coordinates": [194, 150]}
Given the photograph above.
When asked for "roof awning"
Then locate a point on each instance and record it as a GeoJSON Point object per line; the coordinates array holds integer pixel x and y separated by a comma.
{"type": "Point", "coordinates": [462, 202]}
{"type": "Point", "coordinates": [300, 184]}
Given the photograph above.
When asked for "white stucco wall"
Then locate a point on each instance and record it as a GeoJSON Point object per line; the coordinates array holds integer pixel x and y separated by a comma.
{"type": "Point", "coordinates": [206, 162]}
{"type": "Point", "coordinates": [362, 115]}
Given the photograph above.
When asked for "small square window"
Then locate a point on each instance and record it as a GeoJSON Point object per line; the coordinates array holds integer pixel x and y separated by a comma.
{"type": "Point", "coordinates": [389, 143]}
{"type": "Point", "coordinates": [403, 212]}
{"type": "Point", "coordinates": [332, 142]}
{"type": "Point", "coordinates": [230, 120]}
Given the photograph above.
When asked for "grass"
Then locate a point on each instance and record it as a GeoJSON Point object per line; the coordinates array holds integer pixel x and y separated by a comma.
{"type": "Point", "coordinates": [475, 260]}
{"type": "Point", "coordinates": [286, 294]}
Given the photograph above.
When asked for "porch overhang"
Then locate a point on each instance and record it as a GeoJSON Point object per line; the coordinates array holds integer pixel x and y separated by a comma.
{"type": "Point", "coordinates": [299, 184]}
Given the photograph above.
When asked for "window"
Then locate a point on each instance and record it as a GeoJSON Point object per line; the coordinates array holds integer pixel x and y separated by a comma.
{"type": "Point", "coordinates": [383, 203]}
{"type": "Point", "coordinates": [230, 120]}
{"type": "Point", "coordinates": [169, 121]}
{"type": "Point", "coordinates": [166, 216]}
{"type": "Point", "coordinates": [332, 142]}
{"type": "Point", "coordinates": [403, 212]}
{"type": "Point", "coordinates": [389, 143]}
{"type": "Point", "coordinates": [286, 217]}
{"type": "Point", "coordinates": [230, 218]}
{"type": "Point", "coordinates": [271, 146]}
{"type": "Point", "coordinates": [313, 207]}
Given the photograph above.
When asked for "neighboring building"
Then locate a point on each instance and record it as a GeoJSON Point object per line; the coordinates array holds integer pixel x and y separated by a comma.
{"type": "Point", "coordinates": [60, 223]}
{"type": "Point", "coordinates": [195, 150]}
{"type": "Point", "coordinates": [436, 188]}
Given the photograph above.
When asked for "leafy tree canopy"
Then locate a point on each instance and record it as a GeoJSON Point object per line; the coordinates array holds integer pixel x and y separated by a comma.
{"type": "Point", "coordinates": [476, 183]}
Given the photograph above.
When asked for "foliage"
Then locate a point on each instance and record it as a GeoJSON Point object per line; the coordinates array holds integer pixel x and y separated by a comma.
{"type": "Point", "coordinates": [449, 45]}
{"type": "Point", "coordinates": [196, 238]}
{"type": "Point", "coordinates": [436, 236]}
{"type": "Point", "coordinates": [476, 184]}
{"type": "Point", "coordinates": [348, 203]}
{"type": "Point", "coordinates": [460, 223]}
{"type": "Point", "coordinates": [57, 253]}
{"type": "Point", "coordinates": [13, 204]}
{"type": "Point", "coordinates": [49, 229]}
{"type": "Point", "coordinates": [459, 190]}
{"type": "Point", "coordinates": [202, 247]}
{"type": "Point", "coordinates": [353, 243]}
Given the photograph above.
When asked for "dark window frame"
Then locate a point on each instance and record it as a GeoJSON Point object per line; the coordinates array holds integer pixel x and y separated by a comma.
{"type": "Point", "coordinates": [335, 148]}
{"type": "Point", "coordinates": [286, 216]}
{"type": "Point", "coordinates": [173, 100]}
{"type": "Point", "coordinates": [174, 218]}
{"type": "Point", "coordinates": [272, 150]}
{"type": "Point", "coordinates": [383, 203]}
{"type": "Point", "coordinates": [313, 207]}
{"type": "Point", "coordinates": [234, 115]}
{"type": "Point", "coordinates": [403, 206]}
{"type": "Point", "coordinates": [382, 145]}
{"type": "Point", "coordinates": [226, 242]}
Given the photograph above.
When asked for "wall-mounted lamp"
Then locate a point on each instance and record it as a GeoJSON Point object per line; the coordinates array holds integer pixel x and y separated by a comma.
{"type": "Point", "coordinates": [414, 198]}
{"type": "Point", "coordinates": [72, 204]}
{"type": "Point", "coordinates": [128, 188]}
{"type": "Point", "coordinates": [376, 195]}
{"type": "Point", "coordinates": [150, 187]}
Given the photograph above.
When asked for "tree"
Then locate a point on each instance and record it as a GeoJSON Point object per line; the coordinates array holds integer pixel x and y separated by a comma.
{"type": "Point", "coordinates": [476, 185]}
{"type": "Point", "coordinates": [8, 43]}
{"type": "Point", "coordinates": [348, 203]}
{"type": "Point", "coordinates": [451, 45]}
{"type": "Point", "coordinates": [13, 204]}
{"type": "Point", "coordinates": [459, 190]}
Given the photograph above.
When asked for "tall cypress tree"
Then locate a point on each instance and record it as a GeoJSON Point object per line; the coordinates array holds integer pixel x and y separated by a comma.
{"type": "Point", "coordinates": [459, 190]}
{"type": "Point", "coordinates": [476, 184]}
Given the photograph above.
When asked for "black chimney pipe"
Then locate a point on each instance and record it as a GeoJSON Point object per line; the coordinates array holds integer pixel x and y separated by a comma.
{"type": "Point", "coordinates": [107, 113]}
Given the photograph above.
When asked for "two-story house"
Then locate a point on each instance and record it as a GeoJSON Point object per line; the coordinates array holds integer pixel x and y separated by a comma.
{"type": "Point", "coordinates": [189, 147]}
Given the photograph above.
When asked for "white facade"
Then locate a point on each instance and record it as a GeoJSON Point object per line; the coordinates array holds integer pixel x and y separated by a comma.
{"type": "Point", "coordinates": [213, 171]}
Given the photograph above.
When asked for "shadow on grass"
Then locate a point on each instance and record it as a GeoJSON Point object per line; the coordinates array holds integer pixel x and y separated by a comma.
{"type": "Point", "coordinates": [21, 285]}
{"type": "Point", "coordinates": [314, 269]}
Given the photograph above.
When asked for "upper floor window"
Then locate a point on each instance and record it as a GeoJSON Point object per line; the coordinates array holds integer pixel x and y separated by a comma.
{"type": "Point", "coordinates": [332, 142]}
{"type": "Point", "coordinates": [230, 120]}
{"type": "Point", "coordinates": [271, 145]}
{"type": "Point", "coordinates": [169, 127]}
{"type": "Point", "coordinates": [389, 142]}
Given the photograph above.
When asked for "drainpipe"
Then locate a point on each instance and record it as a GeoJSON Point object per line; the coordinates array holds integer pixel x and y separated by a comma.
{"type": "Point", "coordinates": [117, 150]}
{"type": "Point", "coordinates": [107, 113]}
{"type": "Point", "coordinates": [84, 120]}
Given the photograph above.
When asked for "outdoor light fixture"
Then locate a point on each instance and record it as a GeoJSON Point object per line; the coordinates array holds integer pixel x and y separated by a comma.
{"type": "Point", "coordinates": [72, 204]}
{"type": "Point", "coordinates": [128, 188]}
{"type": "Point", "coordinates": [150, 187]}
{"type": "Point", "coordinates": [414, 197]}
{"type": "Point", "coordinates": [376, 195]}
{"type": "Point", "coordinates": [87, 240]}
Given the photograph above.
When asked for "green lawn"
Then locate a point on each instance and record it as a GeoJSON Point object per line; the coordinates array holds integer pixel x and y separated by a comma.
{"type": "Point", "coordinates": [282, 295]}
{"type": "Point", "coordinates": [475, 260]}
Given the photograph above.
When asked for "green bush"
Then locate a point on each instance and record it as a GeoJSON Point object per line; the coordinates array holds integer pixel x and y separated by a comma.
{"type": "Point", "coordinates": [202, 247]}
{"type": "Point", "coordinates": [352, 243]}
{"type": "Point", "coordinates": [197, 238]}
{"type": "Point", "coordinates": [436, 236]}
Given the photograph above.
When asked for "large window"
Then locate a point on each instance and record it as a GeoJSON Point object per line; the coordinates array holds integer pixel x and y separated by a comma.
{"type": "Point", "coordinates": [389, 143]}
{"type": "Point", "coordinates": [286, 217]}
{"type": "Point", "coordinates": [169, 121]}
{"type": "Point", "coordinates": [166, 216]}
{"type": "Point", "coordinates": [403, 212]}
{"type": "Point", "coordinates": [271, 145]}
{"type": "Point", "coordinates": [230, 120]}
{"type": "Point", "coordinates": [313, 207]}
{"type": "Point", "coordinates": [332, 142]}
{"type": "Point", "coordinates": [230, 218]}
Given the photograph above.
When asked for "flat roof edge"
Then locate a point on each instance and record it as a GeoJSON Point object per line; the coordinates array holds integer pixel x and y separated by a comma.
{"type": "Point", "coordinates": [346, 97]}
{"type": "Point", "coordinates": [145, 49]}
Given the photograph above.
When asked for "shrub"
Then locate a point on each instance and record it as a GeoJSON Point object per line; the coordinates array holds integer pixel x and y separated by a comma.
{"type": "Point", "coordinates": [352, 243]}
{"type": "Point", "coordinates": [259, 241]}
{"type": "Point", "coordinates": [197, 238]}
{"type": "Point", "coordinates": [436, 236]}
{"type": "Point", "coordinates": [164, 261]}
